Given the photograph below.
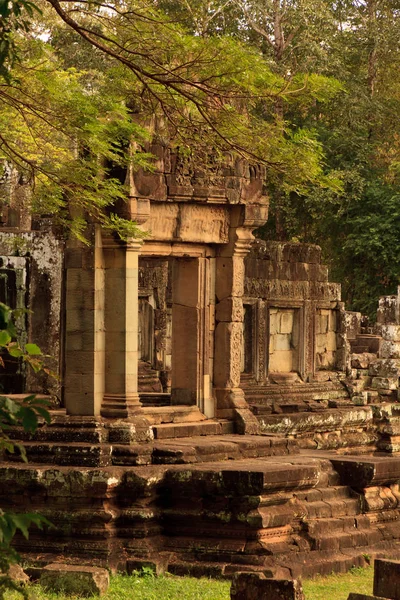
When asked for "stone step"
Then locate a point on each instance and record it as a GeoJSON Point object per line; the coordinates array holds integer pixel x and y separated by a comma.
{"type": "Point", "coordinates": [325, 528]}
{"type": "Point", "coordinates": [363, 471]}
{"type": "Point", "coordinates": [247, 477]}
{"type": "Point", "coordinates": [219, 448]}
{"type": "Point", "coordinates": [310, 564]}
{"type": "Point", "coordinates": [339, 541]}
{"type": "Point", "coordinates": [366, 343]}
{"type": "Point", "coordinates": [325, 510]}
{"type": "Point", "coordinates": [169, 451]}
{"type": "Point", "coordinates": [261, 397]}
{"type": "Point", "coordinates": [301, 423]}
{"type": "Point", "coordinates": [155, 399]}
{"type": "Point", "coordinates": [327, 494]}
{"type": "Point", "coordinates": [69, 454]}
{"type": "Point", "coordinates": [55, 433]}
{"type": "Point", "coordinates": [300, 389]}
{"type": "Point", "coordinates": [158, 415]}
{"type": "Point", "coordinates": [178, 430]}
{"type": "Point", "coordinates": [360, 349]}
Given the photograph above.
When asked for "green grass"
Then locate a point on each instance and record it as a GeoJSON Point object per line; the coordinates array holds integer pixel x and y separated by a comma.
{"type": "Point", "coordinates": [187, 588]}
{"type": "Point", "coordinates": [338, 587]}
{"type": "Point", "coordinates": [166, 587]}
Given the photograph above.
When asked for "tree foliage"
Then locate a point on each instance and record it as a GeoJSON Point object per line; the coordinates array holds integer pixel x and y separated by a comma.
{"type": "Point", "coordinates": [308, 87]}
{"type": "Point", "coordinates": [135, 72]}
{"type": "Point", "coordinates": [25, 413]}
{"type": "Point", "coordinates": [358, 129]}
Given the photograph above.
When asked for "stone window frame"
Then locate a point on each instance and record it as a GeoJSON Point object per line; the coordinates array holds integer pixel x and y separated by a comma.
{"type": "Point", "coordinates": [295, 305]}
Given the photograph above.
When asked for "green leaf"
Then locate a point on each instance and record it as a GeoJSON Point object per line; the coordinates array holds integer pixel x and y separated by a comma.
{"type": "Point", "coordinates": [29, 419]}
{"type": "Point", "coordinates": [29, 399]}
{"type": "Point", "coordinates": [44, 414]}
{"type": "Point", "coordinates": [22, 452]}
{"type": "Point", "coordinates": [22, 523]}
{"type": "Point", "coordinates": [15, 351]}
{"type": "Point", "coordinates": [5, 337]}
{"type": "Point", "coordinates": [33, 349]}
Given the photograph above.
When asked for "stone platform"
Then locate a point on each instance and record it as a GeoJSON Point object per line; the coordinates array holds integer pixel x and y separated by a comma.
{"type": "Point", "coordinates": [205, 505]}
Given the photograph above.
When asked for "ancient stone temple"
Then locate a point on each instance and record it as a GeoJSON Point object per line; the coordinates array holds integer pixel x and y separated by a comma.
{"type": "Point", "coordinates": [217, 409]}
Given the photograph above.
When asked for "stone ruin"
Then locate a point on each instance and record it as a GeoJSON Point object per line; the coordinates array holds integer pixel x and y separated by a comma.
{"type": "Point", "coordinates": [218, 410]}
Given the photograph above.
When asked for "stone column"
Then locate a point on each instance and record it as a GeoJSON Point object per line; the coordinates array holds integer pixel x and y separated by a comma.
{"type": "Point", "coordinates": [121, 261]}
{"type": "Point", "coordinates": [84, 327]}
{"type": "Point", "coordinates": [229, 289]}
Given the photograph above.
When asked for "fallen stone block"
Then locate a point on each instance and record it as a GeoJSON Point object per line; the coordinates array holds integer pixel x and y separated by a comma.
{"type": "Point", "coordinates": [362, 360]}
{"type": "Point", "coordinates": [387, 578]}
{"type": "Point", "coordinates": [254, 586]}
{"type": "Point", "coordinates": [75, 580]}
{"type": "Point", "coordinates": [364, 597]}
{"type": "Point", "coordinates": [17, 574]}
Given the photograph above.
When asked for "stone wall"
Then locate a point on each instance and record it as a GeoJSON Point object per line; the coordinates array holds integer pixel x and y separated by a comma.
{"type": "Point", "coordinates": [31, 267]}
{"type": "Point", "coordinates": [298, 311]}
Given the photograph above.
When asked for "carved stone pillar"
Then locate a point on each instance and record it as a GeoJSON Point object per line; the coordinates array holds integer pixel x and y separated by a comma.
{"type": "Point", "coordinates": [229, 289]}
{"type": "Point", "coordinates": [121, 261]}
{"type": "Point", "coordinates": [84, 327]}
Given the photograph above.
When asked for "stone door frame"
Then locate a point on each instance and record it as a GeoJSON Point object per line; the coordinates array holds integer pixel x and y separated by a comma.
{"type": "Point", "coordinates": [193, 312]}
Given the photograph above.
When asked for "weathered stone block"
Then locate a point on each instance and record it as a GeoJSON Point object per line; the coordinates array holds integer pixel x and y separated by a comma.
{"type": "Point", "coordinates": [384, 368]}
{"type": "Point", "coordinates": [253, 586]}
{"type": "Point", "coordinates": [287, 320]}
{"type": "Point", "coordinates": [352, 323]}
{"type": "Point", "coordinates": [389, 349]}
{"type": "Point", "coordinates": [353, 596]}
{"type": "Point", "coordinates": [385, 383]}
{"type": "Point", "coordinates": [246, 422]}
{"type": "Point", "coordinates": [387, 578]}
{"type": "Point", "coordinates": [360, 399]}
{"type": "Point", "coordinates": [362, 361]}
{"type": "Point", "coordinates": [282, 341]}
{"type": "Point", "coordinates": [75, 579]}
{"type": "Point", "coordinates": [17, 574]}
{"type": "Point", "coordinates": [391, 332]}
{"type": "Point", "coordinates": [388, 310]}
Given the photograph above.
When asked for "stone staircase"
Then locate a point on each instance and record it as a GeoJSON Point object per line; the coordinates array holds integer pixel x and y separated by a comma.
{"type": "Point", "coordinates": [293, 518]}
{"type": "Point", "coordinates": [148, 378]}
{"type": "Point", "coordinates": [207, 505]}
{"type": "Point", "coordinates": [294, 398]}
{"type": "Point", "coordinates": [180, 435]}
{"type": "Point", "coordinates": [366, 342]}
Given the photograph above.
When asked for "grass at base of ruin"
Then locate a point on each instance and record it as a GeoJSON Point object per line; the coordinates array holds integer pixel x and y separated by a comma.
{"type": "Point", "coordinates": [186, 588]}
{"type": "Point", "coordinates": [338, 587]}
